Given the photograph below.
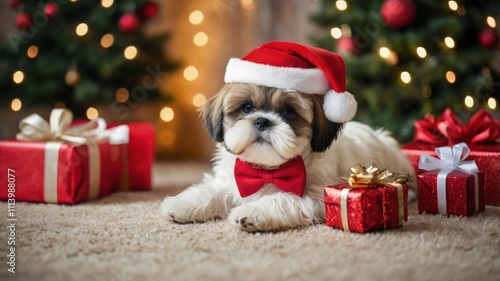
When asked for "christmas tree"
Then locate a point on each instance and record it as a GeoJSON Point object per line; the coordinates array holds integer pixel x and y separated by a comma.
{"type": "Point", "coordinates": [407, 58]}
{"type": "Point", "coordinates": [78, 53]}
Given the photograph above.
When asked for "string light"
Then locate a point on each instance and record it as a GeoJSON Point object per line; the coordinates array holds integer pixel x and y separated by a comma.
{"type": "Point", "coordinates": [107, 40]}
{"type": "Point", "coordinates": [199, 99]}
{"type": "Point", "coordinates": [82, 29]}
{"type": "Point", "coordinates": [247, 4]}
{"type": "Point", "coordinates": [72, 77]}
{"type": "Point", "coordinates": [190, 73]}
{"type": "Point", "coordinates": [453, 5]}
{"type": "Point", "coordinates": [450, 77]}
{"type": "Point", "coordinates": [92, 113]}
{"type": "Point", "coordinates": [130, 52]}
{"type": "Point", "coordinates": [384, 52]}
{"type": "Point", "coordinates": [341, 5]}
{"type": "Point", "coordinates": [390, 56]}
{"type": "Point", "coordinates": [16, 104]}
{"type": "Point", "coordinates": [200, 39]}
{"type": "Point", "coordinates": [107, 3]}
{"type": "Point", "coordinates": [405, 77]}
{"type": "Point", "coordinates": [336, 32]}
{"type": "Point", "coordinates": [122, 95]}
{"type": "Point", "coordinates": [18, 77]}
{"type": "Point", "coordinates": [490, 21]}
{"type": "Point", "coordinates": [32, 51]}
{"type": "Point", "coordinates": [492, 103]}
{"type": "Point", "coordinates": [469, 101]}
{"type": "Point", "coordinates": [196, 17]}
{"type": "Point", "coordinates": [421, 52]}
{"type": "Point", "coordinates": [167, 114]}
{"type": "Point", "coordinates": [449, 42]}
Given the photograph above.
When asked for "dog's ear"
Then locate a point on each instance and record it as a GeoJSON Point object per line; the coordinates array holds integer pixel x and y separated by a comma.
{"type": "Point", "coordinates": [213, 115]}
{"type": "Point", "coordinates": [324, 130]}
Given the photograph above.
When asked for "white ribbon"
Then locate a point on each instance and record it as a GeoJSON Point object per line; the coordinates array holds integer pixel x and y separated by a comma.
{"type": "Point", "coordinates": [449, 159]}
{"type": "Point", "coordinates": [35, 128]}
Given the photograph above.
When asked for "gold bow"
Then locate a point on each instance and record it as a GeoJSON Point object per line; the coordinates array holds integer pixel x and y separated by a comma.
{"type": "Point", "coordinates": [35, 128]}
{"type": "Point", "coordinates": [362, 177]}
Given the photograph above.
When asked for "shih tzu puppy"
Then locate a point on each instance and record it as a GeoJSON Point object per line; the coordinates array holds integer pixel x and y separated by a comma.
{"type": "Point", "coordinates": [280, 123]}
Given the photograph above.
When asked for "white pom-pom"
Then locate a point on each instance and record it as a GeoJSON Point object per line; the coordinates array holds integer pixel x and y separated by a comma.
{"type": "Point", "coordinates": [339, 107]}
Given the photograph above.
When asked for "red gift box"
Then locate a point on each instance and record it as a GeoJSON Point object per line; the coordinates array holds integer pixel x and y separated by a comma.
{"type": "Point", "coordinates": [132, 157]}
{"type": "Point", "coordinates": [482, 135]}
{"type": "Point", "coordinates": [54, 172]}
{"type": "Point", "coordinates": [365, 209]}
{"type": "Point", "coordinates": [460, 195]}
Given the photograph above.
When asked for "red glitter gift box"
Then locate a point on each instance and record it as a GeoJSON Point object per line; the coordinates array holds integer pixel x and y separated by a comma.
{"type": "Point", "coordinates": [482, 135]}
{"type": "Point", "coordinates": [461, 198]}
{"type": "Point", "coordinates": [372, 200]}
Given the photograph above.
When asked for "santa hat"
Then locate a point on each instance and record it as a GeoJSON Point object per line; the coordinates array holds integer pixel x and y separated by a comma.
{"type": "Point", "coordinates": [302, 68]}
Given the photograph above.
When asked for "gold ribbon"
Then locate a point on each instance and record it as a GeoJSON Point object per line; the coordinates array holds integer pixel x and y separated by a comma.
{"type": "Point", "coordinates": [35, 128]}
{"type": "Point", "coordinates": [371, 177]}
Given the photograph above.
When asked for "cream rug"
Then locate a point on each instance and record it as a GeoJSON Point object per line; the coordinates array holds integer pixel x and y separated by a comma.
{"type": "Point", "coordinates": [122, 238]}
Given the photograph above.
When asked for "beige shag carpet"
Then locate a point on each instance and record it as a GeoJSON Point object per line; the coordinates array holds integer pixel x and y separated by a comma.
{"type": "Point", "coordinates": [122, 238]}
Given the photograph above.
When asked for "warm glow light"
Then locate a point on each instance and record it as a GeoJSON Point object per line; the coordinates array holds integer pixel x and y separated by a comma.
{"type": "Point", "coordinates": [453, 5]}
{"type": "Point", "coordinates": [32, 51]}
{"type": "Point", "coordinates": [341, 5]}
{"type": "Point", "coordinates": [336, 32]}
{"type": "Point", "coordinates": [492, 103]}
{"type": "Point", "coordinates": [450, 77]}
{"type": "Point", "coordinates": [196, 17]}
{"type": "Point", "coordinates": [491, 22]}
{"type": "Point", "coordinates": [200, 39]}
{"type": "Point", "coordinates": [247, 4]}
{"type": "Point", "coordinates": [82, 29]}
{"type": "Point", "coordinates": [421, 52]}
{"type": "Point", "coordinates": [92, 113]}
{"type": "Point", "coordinates": [450, 43]}
{"type": "Point", "coordinates": [18, 77]}
{"type": "Point", "coordinates": [107, 40]}
{"type": "Point", "coordinates": [190, 73]}
{"type": "Point", "coordinates": [16, 104]}
{"type": "Point", "coordinates": [199, 100]}
{"type": "Point", "coordinates": [130, 52]}
{"type": "Point", "coordinates": [74, 1]}
{"type": "Point", "coordinates": [107, 3]}
{"type": "Point", "coordinates": [72, 77]}
{"type": "Point", "coordinates": [167, 114]}
{"type": "Point", "coordinates": [122, 95]}
{"type": "Point", "coordinates": [384, 52]}
{"type": "Point", "coordinates": [405, 77]}
{"type": "Point", "coordinates": [469, 101]}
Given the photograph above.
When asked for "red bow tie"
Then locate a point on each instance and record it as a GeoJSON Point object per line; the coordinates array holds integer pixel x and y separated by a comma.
{"type": "Point", "coordinates": [289, 177]}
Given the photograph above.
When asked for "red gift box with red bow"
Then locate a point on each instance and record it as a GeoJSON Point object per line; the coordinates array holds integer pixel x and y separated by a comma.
{"type": "Point", "coordinates": [482, 135]}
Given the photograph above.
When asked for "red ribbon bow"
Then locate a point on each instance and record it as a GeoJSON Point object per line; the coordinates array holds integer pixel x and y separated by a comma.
{"type": "Point", "coordinates": [448, 130]}
{"type": "Point", "coordinates": [289, 177]}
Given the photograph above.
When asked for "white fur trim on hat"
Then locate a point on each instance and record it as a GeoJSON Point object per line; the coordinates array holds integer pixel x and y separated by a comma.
{"type": "Point", "coordinates": [309, 81]}
{"type": "Point", "coordinates": [339, 107]}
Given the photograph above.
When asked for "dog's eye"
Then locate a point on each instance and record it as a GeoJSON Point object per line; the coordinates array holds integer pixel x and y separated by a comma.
{"type": "Point", "coordinates": [247, 108]}
{"type": "Point", "coordinates": [288, 112]}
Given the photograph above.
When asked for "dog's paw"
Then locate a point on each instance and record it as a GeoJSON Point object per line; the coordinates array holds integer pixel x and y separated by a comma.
{"type": "Point", "coordinates": [250, 218]}
{"type": "Point", "coordinates": [177, 210]}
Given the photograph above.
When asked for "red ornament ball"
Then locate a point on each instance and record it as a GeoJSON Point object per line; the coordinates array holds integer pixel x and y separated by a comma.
{"type": "Point", "coordinates": [51, 10]}
{"type": "Point", "coordinates": [488, 38]}
{"type": "Point", "coordinates": [24, 21]}
{"type": "Point", "coordinates": [129, 22]}
{"type": "Point", "coordinates": [398, 14]}
{"type": "Point", "coordinates": [347, 45]}
{"type": "Point", "coordinates": [15, 3]}
{"type": "Point", "coordinates": [148, 10]}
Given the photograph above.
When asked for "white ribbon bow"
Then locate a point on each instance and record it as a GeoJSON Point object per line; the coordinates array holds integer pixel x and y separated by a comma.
{"type": "Point", "coordinates": [450, 158]}
{"type": "Point", "coordinates": [35, 128]}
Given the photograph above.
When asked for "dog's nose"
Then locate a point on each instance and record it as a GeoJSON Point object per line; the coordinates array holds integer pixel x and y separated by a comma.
{"type": "Point", "coordinates": [262, 123]}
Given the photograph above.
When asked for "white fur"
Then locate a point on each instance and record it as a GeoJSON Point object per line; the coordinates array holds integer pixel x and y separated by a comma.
{"type": "Point", "coordinates": [309, 81]}
{"type": "Point", "coordinates": [217, 196]}
{"type": "Point", "coordinates": [339, 107]}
